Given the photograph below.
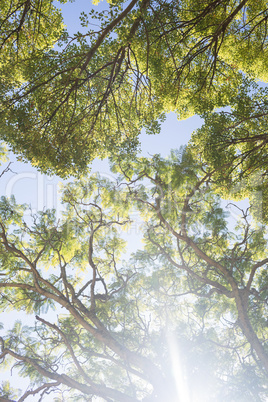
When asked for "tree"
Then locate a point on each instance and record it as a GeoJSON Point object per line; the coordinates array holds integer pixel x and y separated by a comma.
{"type": "Point", "coordinates": [90, 96]}
{"type": "Point", "coordinates": [233, 142]}
{"type": "Point", "coordinates": [197, 285]}
{"type": "Point", "coordinates": [25, 32]}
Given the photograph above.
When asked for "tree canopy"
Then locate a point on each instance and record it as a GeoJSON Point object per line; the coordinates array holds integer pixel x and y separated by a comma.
{"type": "Point", "coordinates": [180, 313]}
{"type": "Point", "coordinates": [66, 100]}
{"type": "Point", "coordinates": [233, 142]}
{"type": "Point", "coordinates": [198, 286]}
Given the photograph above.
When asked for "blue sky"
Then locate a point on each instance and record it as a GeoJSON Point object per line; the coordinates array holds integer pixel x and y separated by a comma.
{"type": "Point", "coordinates": [29, 186]}
{"type": "Point", "coordinates": [41, 191]}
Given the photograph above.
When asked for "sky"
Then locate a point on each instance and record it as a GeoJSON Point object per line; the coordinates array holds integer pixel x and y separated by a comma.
{"type": "Point", "coordinates": [30, 186]}
{"type": "Point", "coordinates": [42, 191]}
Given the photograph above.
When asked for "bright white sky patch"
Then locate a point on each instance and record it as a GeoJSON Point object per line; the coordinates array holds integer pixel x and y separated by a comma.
{"type": "Point", "coordinates": [177, 370]}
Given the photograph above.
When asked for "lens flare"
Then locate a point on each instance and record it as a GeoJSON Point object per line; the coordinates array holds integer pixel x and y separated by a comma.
{"type": "Point", "coordinates": [180, 379]}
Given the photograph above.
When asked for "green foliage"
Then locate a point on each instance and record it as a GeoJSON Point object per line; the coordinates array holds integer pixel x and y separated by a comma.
{"type": "Point", "coordinates": [233, 143]}
{"type": "Point", "coordinates": [193, 299]}
{"type": "Point", "coordinates": [25, 32]}
{"type": "Point", "coordinates": [3, 152]}
{"type": "Point", "coordinates": [196, 293]}
{"type": "Point", "coordinates": [250, 42]}
{"type": "Point", "coordinates": [7, 392]}
{"type": "Point", "coordinates": [90, 95]}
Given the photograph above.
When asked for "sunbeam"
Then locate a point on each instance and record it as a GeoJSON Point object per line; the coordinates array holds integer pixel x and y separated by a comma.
{"type": "Point", "coordinates": [180, 379]}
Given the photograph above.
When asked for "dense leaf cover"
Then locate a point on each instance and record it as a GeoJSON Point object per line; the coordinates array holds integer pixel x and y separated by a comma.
{"type": "Point", "coordinates": [66, 100]}
{"type": "Point", "coordinates": [234, 144]}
